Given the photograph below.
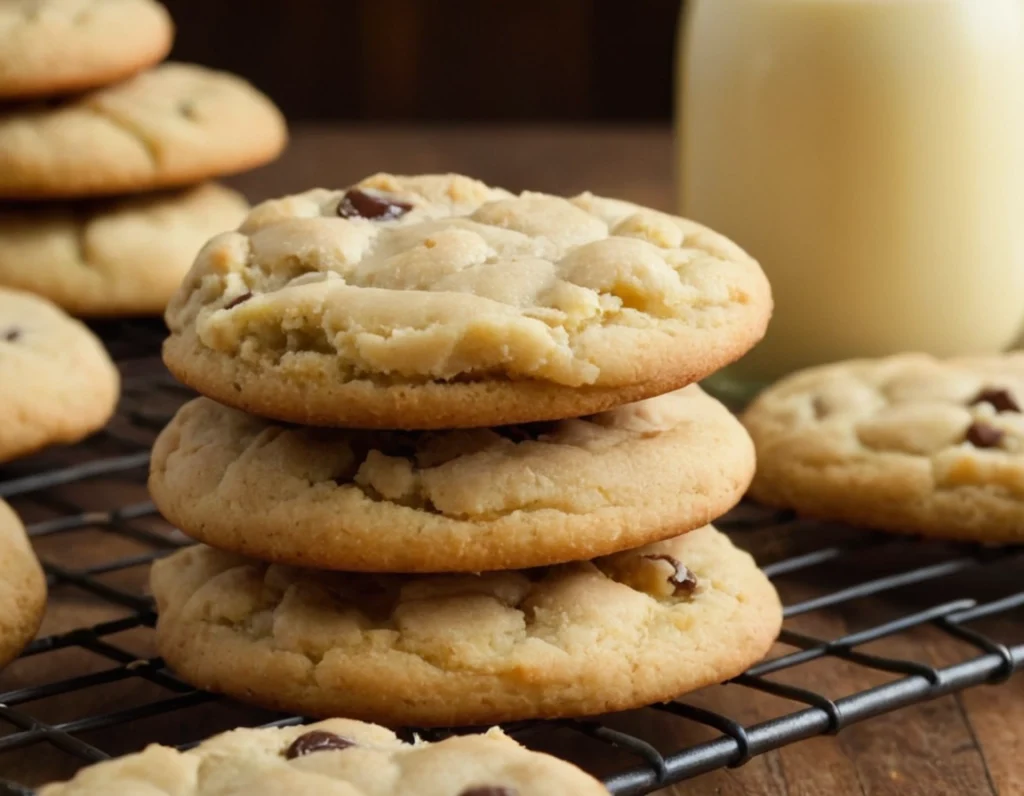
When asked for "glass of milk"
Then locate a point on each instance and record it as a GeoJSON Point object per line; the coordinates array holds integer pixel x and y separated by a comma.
{"type": "Point", "coordinates": [870, 153]}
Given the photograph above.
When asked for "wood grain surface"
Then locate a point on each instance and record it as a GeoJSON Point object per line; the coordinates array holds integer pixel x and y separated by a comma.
{"type": "Point", "coordinates": [969, 743]}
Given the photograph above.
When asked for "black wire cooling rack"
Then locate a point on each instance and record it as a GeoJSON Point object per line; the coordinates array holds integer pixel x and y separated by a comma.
{"type": "Point", "coordinates": [860, 608]}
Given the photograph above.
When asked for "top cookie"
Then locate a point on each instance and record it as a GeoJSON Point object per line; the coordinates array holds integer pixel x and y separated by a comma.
{"type": "Point", "coordinates": [908, 443]}
{"type": "Point", "coordinates": [338, 757]}
{"type": "Point", "coordinates": [437, 301]}
{"type": "Point", "coordinates": [172, 125]}
{"type": "Point", "coordinates": [57, 46]}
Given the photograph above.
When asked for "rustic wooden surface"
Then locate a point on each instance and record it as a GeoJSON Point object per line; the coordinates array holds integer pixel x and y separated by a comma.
{"type": "Point", "coordinates": [965, 744]}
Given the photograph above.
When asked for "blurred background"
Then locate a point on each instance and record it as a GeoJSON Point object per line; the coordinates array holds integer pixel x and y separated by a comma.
{"type": "Point", "coordinates": [443, 60]}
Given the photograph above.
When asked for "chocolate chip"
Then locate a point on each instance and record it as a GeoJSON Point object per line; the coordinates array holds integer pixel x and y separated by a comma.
{"type": "Point", "coordinates": [527, 432]}
{"type": "Point", "coordinates": [12, 335]}
{"type": "Point", "coordinates": [490, 790]}
{"type": "Point", "coordinates": [684, 580]}
{"type": "Point", "coordinates": [316, 741]}
{"type": "Point", "coordinates": [360, 204]}
{"type": "Point", "coordinates": [1001, 400]}
{"type": "Point", "coordinates": [981, 435]}
{"type": "Point", "coordinates": [238, 300]}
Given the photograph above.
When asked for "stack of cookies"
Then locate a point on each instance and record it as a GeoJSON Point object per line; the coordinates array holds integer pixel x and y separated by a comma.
{"type": "Point", "coordinates": [88, 113]}
{"type": "Point", "coordinates": [448, 469]}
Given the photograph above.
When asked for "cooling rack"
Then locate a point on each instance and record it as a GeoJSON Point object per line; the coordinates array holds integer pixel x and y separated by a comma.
{"type": "Point", "coordinates": [865, 614]}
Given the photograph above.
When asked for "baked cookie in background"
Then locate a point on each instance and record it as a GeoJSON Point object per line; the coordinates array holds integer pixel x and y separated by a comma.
{"type": "Point", "coordinates": [50, 47]}
{"type": "Point", "coordinates": [460, 500]}
{"type": "Point", "coordinates": [439, 302]}
{"type": "Point", "coordinates": [115, 257]}
{"type": "Point", "coordinates": [57, 383]}
{"type": "Point", "coordinates": [907, 444]}
{"type": "Point", "coordinates": [172, 125]}
{"type": "Point", "coordinates": [447, 650]}
{"type": "Point", "coordinates": [338, 757]}
{"type": "Point", "coordinates": [22, 587]}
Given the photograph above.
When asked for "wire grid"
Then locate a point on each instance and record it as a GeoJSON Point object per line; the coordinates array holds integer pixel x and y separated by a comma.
{"type": "Point", "coordinates": [643, 764]}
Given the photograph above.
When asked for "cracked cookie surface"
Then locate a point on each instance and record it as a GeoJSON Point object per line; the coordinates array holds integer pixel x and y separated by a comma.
{"type": "Point", "coordinates": [22, 586]}
{"type": "Point", "coordinates": [337, 757]}
{"type": "Point", "coordinates": [437, 301]}
{"type": "Point", "coordinates": [115, 257]}
{"type": "Point", "coordinates": [57, 383]}
{"type": "Point", "coordinates": [908, 443]}
{"type": "Point", "coordinates": [445, 650]}
{"type": "Point", "coordinates": [56, 46]}
{"type": "Point", "coordinates": [172, 125]}
{"type": "Point", "coordinates": [459, 500]}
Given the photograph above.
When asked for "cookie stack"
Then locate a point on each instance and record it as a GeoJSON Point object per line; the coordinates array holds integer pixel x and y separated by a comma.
{"type": "Point", "coordinates": [88, 113]}
{"type": "Point", "coordinates": [447, 470]}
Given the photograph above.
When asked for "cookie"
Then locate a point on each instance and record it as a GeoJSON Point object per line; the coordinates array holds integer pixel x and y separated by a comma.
{"type": "Point", "coordinates": [461, 500]}
{"type": "Point", "coordinates": [444, 650]}
{"type": "Point", "coordinates": [173, 125]}
{"type": "Point", "coordinates": [57, 383]}
{"type": "Point", "coordinates": [56, 46]}
{"type": "Point", "coordinates": [909, 443]}
{"type": "Point", "coordinates": [439, 302]}
{"type": "Point", "coordinates": [112, 257]}
{"type": "Point", "coordinates": [22, 587]}
{"type": "Point", "coordinates": [338, 757]}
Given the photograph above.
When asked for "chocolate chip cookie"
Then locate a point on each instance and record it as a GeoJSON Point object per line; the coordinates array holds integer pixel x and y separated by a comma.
{"type": "Point", "coordinates": [569, 640]}
{"type": "Point", "coordinates": [439, 302]}
{"type": "Point", "coordinates": [22, 587]}
{"type": "Point", "coordinates": [172, 125]}
{"type": "Point", "coordinates": [461, 500]}
{"type": "Point", "coordinates": [120, 257]}
{"type": "Point", "coordinates": [56, 46]}
{"type": "Point", "coordinates": [909, 443]}
{"type": "Point", "coordinates": [57, 383]}
{"type": "Point", "coordinates": [338, 757]}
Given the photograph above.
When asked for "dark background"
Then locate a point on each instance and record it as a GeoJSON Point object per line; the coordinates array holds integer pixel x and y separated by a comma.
{"type": "Point", "coordinates": [442, 60]}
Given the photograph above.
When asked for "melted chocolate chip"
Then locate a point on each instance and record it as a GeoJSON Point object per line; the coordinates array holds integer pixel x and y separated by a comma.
{"type": "Point", "coordinates": [683, 580]}
{"type": "Point", "coordinates": [379, 207]}
{"type": "Point", "coordinates": [981, 435]}
{"type": "Point", "coordinates": [316, 741]}
{"type": "Point", "coordinates": [238, 300]}
{"type": "Point", "coordinates": [12, 335]}
{"type": "Point", "coordinates": [527, 432]}
{"type": "Point", "coordinates": [1001, 400]}
{"type": "Point", "coordinates": [490, 790]}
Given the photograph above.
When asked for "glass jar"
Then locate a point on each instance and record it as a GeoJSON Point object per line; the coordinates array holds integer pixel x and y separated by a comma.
{"type": "Point", "coordinates": [870, 153]}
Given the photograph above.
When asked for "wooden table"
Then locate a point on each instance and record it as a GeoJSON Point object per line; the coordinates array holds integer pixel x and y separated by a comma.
{"type": "Point", "coordinates": [970, 743]}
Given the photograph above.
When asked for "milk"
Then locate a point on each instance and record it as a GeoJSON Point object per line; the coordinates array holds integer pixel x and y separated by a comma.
{"type": "Point", "coordinates": [870, 153]}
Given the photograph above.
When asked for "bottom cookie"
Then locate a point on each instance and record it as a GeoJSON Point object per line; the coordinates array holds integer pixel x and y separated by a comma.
{"type": "Point", "coordinates": [334, 758]}
{"type": "Point", "coordinates": [22, 587]}
{"type": "Point", "coordinates": [112, 257]}
{"type": "Point", "coordinates": [445, 650]}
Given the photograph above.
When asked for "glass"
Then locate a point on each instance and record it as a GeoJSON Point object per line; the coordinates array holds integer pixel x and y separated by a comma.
{"type": "Point", "coordinates": [870, 153]}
